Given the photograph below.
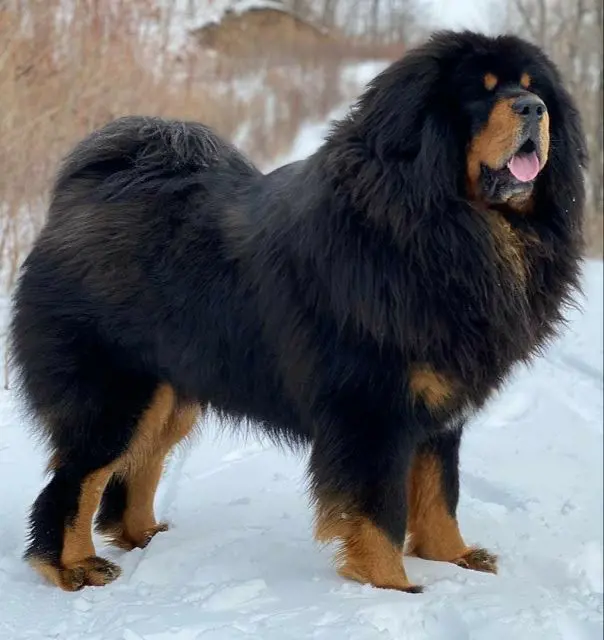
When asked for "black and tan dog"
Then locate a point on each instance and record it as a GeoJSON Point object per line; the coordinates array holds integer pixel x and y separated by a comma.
{"type": "Point", "coordinates": [363, 302]}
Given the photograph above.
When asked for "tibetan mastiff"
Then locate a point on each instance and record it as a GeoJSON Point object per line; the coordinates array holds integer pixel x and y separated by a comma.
{"type": "Point", "coordinates": [364, 302]}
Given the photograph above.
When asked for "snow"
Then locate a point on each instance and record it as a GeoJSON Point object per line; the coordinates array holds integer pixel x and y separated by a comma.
{"type": "Point", "coordinates": [239, 562]}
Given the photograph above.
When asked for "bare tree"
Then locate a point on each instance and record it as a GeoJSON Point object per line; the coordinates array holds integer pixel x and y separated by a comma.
{"type": "Point", "coordinates": [386, 21]}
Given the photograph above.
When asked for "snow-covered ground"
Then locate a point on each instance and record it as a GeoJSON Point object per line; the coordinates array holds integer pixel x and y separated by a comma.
{"type": "Point", "coordinates": [240, 563]}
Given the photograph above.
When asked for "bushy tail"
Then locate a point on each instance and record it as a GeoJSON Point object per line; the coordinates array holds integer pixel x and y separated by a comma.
{"type": "Point", "coordinates": [137, 157]}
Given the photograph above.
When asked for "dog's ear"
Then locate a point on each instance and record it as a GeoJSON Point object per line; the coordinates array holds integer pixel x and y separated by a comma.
{"type": "Point", "coordinates": [402, 140]}
{"type": "Point", "coordinates": [390, 114]}
{"type": "Point", "coordinates": [438, 166]}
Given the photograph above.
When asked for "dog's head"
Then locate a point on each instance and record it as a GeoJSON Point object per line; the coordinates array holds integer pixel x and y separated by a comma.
{"type": "Point", "coordinates": [471, 118]}
{"type": "Point", "coordinates": [510, 135]}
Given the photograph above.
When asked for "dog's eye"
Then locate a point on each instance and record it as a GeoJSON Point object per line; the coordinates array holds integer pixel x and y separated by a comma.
{"type": "Point", "coordinates": [525, 80]}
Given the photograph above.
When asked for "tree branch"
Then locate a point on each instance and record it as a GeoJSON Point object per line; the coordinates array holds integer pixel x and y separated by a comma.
{"type": "Point", "coordinates": [528, 21]}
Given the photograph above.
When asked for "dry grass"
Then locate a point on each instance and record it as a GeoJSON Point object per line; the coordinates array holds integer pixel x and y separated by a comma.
{"type": "Point", "coordinates": [68, 66]}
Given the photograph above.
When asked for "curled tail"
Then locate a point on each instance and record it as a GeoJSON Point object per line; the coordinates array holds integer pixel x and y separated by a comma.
{"type": "Point", "coordinates": [136, 157]}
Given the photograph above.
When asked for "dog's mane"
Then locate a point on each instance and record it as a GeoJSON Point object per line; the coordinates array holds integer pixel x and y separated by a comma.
{"type": "Point", "coordinates": [417, 261]}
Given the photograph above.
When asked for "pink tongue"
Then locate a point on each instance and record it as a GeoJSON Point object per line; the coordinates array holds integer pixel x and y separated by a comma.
{"type": "Point", "coordinates": [524, 167]}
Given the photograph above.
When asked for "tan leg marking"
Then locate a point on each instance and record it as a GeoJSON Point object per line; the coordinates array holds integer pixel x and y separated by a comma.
{"type": "Point", "coordinates": [180, 425]}
{"type": "Point", "coordinates": [478, 559]}
{"type": "Point", "coordinates": [147, 440]}
{"type": "Point", "coordinates": [79, 565]}
{"type": "Point", "coordinates": [366, 555]}
{"type": "Point", "coordinates": [139, 524]}
{"type": "Point", "coordinates": [77, 538]}
{"type": "Point", "coordinates": [92, 571]}
{"type": "Point", "coordinates": [434, 533]}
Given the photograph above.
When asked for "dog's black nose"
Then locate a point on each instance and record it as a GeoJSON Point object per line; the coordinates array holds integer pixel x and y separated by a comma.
{"type": "Point", "coordinates": [530, 106]}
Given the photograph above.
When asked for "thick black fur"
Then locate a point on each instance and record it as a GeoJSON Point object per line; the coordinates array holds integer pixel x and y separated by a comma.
{"type": "Point", "coordinates": [300, 299]}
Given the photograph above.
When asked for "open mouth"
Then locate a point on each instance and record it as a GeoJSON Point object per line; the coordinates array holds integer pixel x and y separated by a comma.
{"type": "Point", "coordinates": [515, 177]}
{"type": "Point", "coordinates": [524, 165]}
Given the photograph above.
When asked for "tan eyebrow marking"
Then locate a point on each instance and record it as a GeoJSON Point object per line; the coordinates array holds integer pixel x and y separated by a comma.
{"type": "Point", "coordinates": [490, 81]}
{"type": "Point", "coordinates": [525, 80]}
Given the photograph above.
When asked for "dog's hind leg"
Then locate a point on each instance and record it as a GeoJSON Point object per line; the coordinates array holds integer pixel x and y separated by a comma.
{"type": "Point", "coordinates": [61, 547]}
{"type": "Point", "coordinates": [105, 433]}
{"type": "Point", "coordinates": [433, 491]}
{"type": "Point", "coordinates": [127, 515]}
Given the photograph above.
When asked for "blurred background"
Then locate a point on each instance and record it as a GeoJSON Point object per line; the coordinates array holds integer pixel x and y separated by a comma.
{"type": "Point", "coordinates": [255, 70]}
